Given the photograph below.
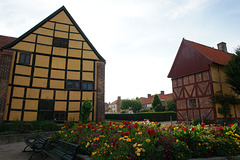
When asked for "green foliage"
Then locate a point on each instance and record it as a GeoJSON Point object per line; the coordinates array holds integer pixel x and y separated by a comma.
{"type": "Point", "coordinates": [156, 116]}
{"type": "Point", "coordinates": [133, 104]}
{"type": "Point", "coordinates": [170, 105]}
{"type": "Point", "coordinates": [85, 111]}
{"type": "Point", "coordinates": [157, 104]}
{"type": "Point", "coordinates": [232, 70]}
{"type": "Point", "coordinates": [225, 100]}
{"type": "Point", "coordinates": [27, 127]}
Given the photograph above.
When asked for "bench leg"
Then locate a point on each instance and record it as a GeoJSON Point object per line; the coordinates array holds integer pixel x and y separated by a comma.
{"type": "Point", "coordinates": [36, 153]}
{"type": "Point", "coordinates": [24, 150]}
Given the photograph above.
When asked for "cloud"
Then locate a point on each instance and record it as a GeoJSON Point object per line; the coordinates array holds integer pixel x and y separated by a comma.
{"type": "Point", "coordinates": [182, 8]}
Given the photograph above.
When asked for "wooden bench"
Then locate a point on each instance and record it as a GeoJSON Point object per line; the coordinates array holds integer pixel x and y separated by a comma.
{"type": "Point", "coordinates": [62, 150]}
{"type": "Point", "coordinates": [36, 144]}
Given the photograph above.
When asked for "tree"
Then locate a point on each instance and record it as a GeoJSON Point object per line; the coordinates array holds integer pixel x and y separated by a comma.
{"type": "Point", "coordinates": [134, 104]}
{"type": "Point", "coordinates": [232, 70]}
{"type": "Point", "coordinates": [85, 111]}
{"type": "Point", "coordinates": [157, 104]}
{"type": "Point", "coordinates": [170, 105]}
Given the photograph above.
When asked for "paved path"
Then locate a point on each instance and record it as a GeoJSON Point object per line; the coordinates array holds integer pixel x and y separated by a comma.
{"type": "Point", "coordinates": [13, 151]}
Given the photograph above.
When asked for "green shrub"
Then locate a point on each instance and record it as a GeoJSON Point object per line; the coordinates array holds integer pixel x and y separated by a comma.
{"type": "Point", "coordinates": [157, 116]}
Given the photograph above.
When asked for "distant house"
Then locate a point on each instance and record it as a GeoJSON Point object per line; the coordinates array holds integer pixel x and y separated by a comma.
{"type": "Point", "coordinates": [147, 102]}
{"type": "Point", "coordinates": [197, 75]}
{"type": "Point", "coordinates": [48, 72]}
{"type": "Point", "coordinates": [114, 107]}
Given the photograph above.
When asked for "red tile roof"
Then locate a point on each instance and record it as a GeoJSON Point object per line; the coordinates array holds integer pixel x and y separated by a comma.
{"type": "Point", "coordinates": [114, 102]}
{"type": "Point", "coordinates": [5, 40]}
{"type": "Point", "coordinates": [212, 54]}
{"type": "Point", "coordinates": [149, 99]}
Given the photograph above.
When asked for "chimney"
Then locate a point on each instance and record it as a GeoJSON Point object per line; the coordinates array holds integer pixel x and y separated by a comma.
{"type": "Point", "coordinates": [162, 93]}
{"type": "Point", "coordinates": [149, 95]}
{"type": "Point", "coordinates": [222, 46]}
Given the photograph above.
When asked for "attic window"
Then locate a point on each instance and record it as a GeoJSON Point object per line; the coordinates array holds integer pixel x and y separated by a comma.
{"type": "Point", "coordinates": [72, 85]}
{"type": "Point", "coordinates": [87, 85]}
{"type": "Point", "coordinates": [60, 42]}
{"type": "Point", "coordinates": [192, 103]}
{"type": "Point", "coordinates": [24, 58]}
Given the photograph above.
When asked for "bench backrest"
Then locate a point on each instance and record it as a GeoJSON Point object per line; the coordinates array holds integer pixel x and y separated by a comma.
{"type": "Point", "coordinates": [66, 147]}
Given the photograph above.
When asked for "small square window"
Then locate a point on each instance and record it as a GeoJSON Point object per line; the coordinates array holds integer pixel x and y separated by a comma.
{"type": "Point", "coordinates": [192, 103]}
{"type": "Point", "coordinates": [72, 85]}
{"type": "Point", "coordinates": [60, 42]}
{"type": "Point", "coordinates": [25, 58]}
{"type": "Point", "coordinates": [87, 85]}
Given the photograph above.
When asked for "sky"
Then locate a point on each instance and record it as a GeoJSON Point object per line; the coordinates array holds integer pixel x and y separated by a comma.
{"type": "Point", "coordinates": [139, 39]}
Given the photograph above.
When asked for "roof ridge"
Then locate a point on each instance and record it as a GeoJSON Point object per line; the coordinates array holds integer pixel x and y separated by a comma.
{"type": "Point", "coordinates": [203, 45]}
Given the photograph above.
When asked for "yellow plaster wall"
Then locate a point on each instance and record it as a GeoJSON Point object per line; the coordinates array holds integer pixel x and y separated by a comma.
{"type": "Point", "coordinates": [49, 25]}
{"type": "Point", "coordinates": [73, 116]}
{"type": "Point", "coordinates": [32, 93]}
{"type": "Point", "coordinates": [15, 115]}
{"type": "Point", "coordinates": [20, 80]}
{"type": "Point", "coordinates": [74, 106]}
{"type": "Point", "coordinates": [45, 40]}
{"type": "Point", "coordinates": [40, 72]}
{"type": "Point", "coordinates": [62, 27]}
{"type": "Point", "coordinates": [59, 51]}
{"type": "Point", "coordinates": [47, 94]}
{"type": "Point", "coordinates": [25, 70]}
{"type": "Point", "coordinates": [30, 116]}
{"type": "Point", "coordinates": [74, 53]}
{"type": "Point", "coordinates": [30, 38]}
{"type": "Point", "coordinates": [87, 96]}
{"type": "Point", "coordinates": [89, 55]}
{"type": "Point", "coordinates": [57, 84]}
{"type": "Point", "coordinates": [58, 62]}
{"type": "Point", "coordinates": [73, 75]}
{"type": "Point", "coordinates": [74, 64]}
{"type": "Point", "coordinates": [61, 95]}
{"type": "Point", "coordinates": [75, 44]}
{"type": "Point", "coordinates": [86, 46]}
{"type": "Point", "coordinates": [16, 103]}
{"type": "Point", "coordinates": [18, 92]}
{"type": "Point", "coordinates": [61, 34]}
{"type": "Point", "coordinates": [73, 29]}
{"type": "Point", "coordinates": [87, 76]}
{"type": "Point", "coordinates": [62, 18]}
{"type": "Point", "coordinates": [88, 65]}
{"type": "Point", "coordinates": [42, 61]}
{"type": "Point", "coordinates": [60, 106]}
{"type": "Point", "coordinates": [76, 36]}
{"type": "Point", "coordinates": [25, 46]}
{"type": "Point", "coordinates": [43, 49]}
{"type": "Point", "coordinates": [74, 95]}
{"type": "Point", "coordinates": [214, 72]}
{"type": "Point", "coordinates": [31, 104]}
{"type": "Point", "coordinates": [44, 31]}
{"type": "Point", "coordinates": [57, 74]}
{"type": "Point", "coordinates": [39, 82]}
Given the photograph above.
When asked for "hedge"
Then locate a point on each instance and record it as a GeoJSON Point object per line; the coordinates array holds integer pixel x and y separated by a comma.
{"type": "Point", "coordinates": [156, 116]}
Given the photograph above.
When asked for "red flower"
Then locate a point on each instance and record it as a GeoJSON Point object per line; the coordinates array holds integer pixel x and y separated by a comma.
{"type": "Point", "coordinates": [95, 129]}
{"type": "Point", "coordinates": [136, 126]}
{"type": "Point", "coordinates": [110, 123]}
{"type": "Point", "coordinates": [89, 126]}
{"type": "Point", "coordinates": [203, 124]}
{"type": "Point", "coordinates": [83, 125]}
{"type": "Point", "coordinates": [79, 128]}
{"type": "Point", "coordinates": [79, 124]}
{"type": "Point", "coordinates": [230, 125]}
{"type": "Point", "coordinates": [184, 129]}
{"type": "Point", "coordinates": [114, 122]}
{"type": "Point", "coordinates": [156, 122]}
{"type": "Point", "coordinates": [151, 131]}
{"type": "Point", "coordinates": [169, 126]}
{"type": "Point", "coordinates": [130, 127]}
{"type": "Point", "coordinates": [66, 127]}
{"type": "Point", "coordinates": [192, 129]}
{"type": "Point", "coordinates": [102, 130]}
{"type": "Point", "coordinates": [220, 128]}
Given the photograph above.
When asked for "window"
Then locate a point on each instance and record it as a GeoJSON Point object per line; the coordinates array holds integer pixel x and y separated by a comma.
{"type": "Point", "coordinates": [72, 85]}
{"type": "Point", "coordinates": [60, 42]}
{"type": "Point", "coordinates": [45, 110]}
{"type": "Point", "coordinates": [25, 58]}
{"type": "Point", "coordinates": [192, 103]}
{"type": "Point", "coordinates": [87, 85]}
{"type": "Point", "coordinates": [60, 116]}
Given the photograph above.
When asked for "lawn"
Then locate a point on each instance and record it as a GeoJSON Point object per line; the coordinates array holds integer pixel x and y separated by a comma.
{"type": "Point", "coordinates": [151, 140]}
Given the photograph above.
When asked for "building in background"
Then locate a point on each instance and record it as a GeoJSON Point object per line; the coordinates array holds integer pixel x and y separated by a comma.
{"type": "Point", "coordinates": [197, 75]}
{"type": "Point", "coordinates": [147, 102]}
{"type": "Point", "coordinates": [53, 69]}
{"type": "Point", "coordinates": [114, 107]}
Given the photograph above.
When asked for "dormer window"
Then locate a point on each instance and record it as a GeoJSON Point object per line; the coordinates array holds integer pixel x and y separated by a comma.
{"type": "Point", "coordinates": [25, 58]}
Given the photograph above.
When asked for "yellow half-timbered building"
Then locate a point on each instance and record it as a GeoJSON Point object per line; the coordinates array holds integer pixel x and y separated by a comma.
{"type": "Point", "coordinates": [54, 69]}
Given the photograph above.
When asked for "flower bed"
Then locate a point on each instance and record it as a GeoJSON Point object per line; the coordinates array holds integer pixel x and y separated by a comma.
{"type": "Point", "coordinates": [151, 140]}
